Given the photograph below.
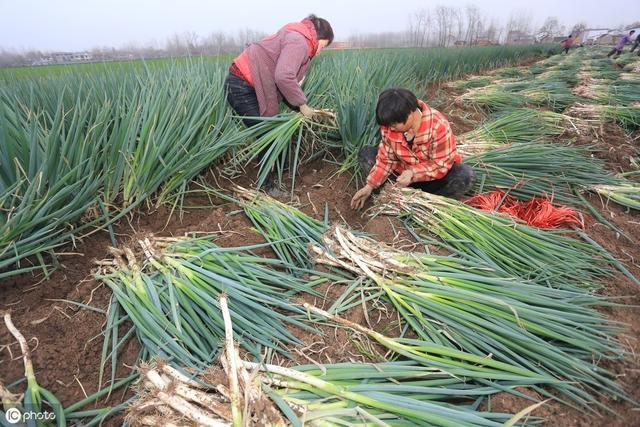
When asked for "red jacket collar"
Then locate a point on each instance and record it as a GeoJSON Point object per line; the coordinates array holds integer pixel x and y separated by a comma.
{"type": "Point", "coordinates": [308, 30]}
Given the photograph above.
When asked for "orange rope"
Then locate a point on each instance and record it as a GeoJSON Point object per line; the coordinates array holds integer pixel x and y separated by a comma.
{"type": "Point", "coordinates": [537, 212]}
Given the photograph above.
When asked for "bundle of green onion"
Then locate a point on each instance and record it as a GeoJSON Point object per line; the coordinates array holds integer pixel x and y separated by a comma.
{"type": "Point", "coordinates": [627, 116]}
{"type": "Point", "coordinates": [494, 99]}
{"type": "Point", "coordinates": [519, 125]}
{"type": "Point", "coordinates": [287, 229]}
{"type": "Point", "coordinates": [550, 257]}
{"type": "Point", "coordinates": [559, 73]}
{"type": "Point", "coordinates": [384, 394]}
{"type": "Point", "coordinates": [354, 394]}
{"type": "Point", "coordinates": [555, 95]}
{"type": "Point", "coordinates": [282, 142]}
{"type": "Point", "coordinates": [625, 194]}
{"type": "Point", "coordinates": [532, 169]}
{"type": "Point", "coordinates": [466, 305]}
{"type": "Point", "coordinates": [538, 68]}
{"type": "Point", "coordinates": [626, 59]}
{"type": "Point", "coordinates": [171, 297]}
{"type": "Point", "coordinates": [473, 82]}
{"type": "Point", "coordinates": [512, 72]}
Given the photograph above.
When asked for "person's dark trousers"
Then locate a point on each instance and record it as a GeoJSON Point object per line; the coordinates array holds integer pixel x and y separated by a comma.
{"type": "Point", "coordinates": [614, 50]}
{"type": "Point", "coordinates": [460, 179]}
{"type": "Point", "coordinates": [635, 45]}
{"type": "Point", "coordinates": [566, 50]}
{"type": "Point", "coordinates": [242, 98]}
{"type": "Point", "coordinates": [455, 184]}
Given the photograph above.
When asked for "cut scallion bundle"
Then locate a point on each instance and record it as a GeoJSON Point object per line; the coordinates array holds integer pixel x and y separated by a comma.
{"type": "Point", "coordinates": [532, 169]}
{"type": "Point", "coordinates": [171, 297]}
{"type": "Point", "coordinates": [465, 305]}
{"type": "Point", "coordinates": [519, 125]}
{"type": "Point", "coordinates": [551, 257]}
{"type": "Point", "coordinates": [625, 194]}
{"type": "Point", "coordinates": [287, 229]}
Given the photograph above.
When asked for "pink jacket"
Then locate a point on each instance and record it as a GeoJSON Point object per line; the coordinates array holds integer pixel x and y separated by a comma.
{"type": "Point", "coordinates": [568, 42]}
{"type": "Point", "coordinates": [275, 65]}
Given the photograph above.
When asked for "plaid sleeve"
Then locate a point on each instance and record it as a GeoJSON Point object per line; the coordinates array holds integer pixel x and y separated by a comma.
{"type": "Point", "coordinates": [438, 153]}
{"type": "Point", "coordinates": [385, 160]}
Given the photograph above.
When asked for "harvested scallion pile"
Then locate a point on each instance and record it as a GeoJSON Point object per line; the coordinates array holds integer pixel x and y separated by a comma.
{"type": "Point", "coordinates": [287, 229]}
{"type": "Point", "coordinates": [532, 169]}
{"type": "Point", "coordinates": [282, 142]}
{"type": "Point", "coordinates": [385, 394]}
{"type": "Point", "coordinates": [518, 125]}
{"type": "Point", "coordinates": [625, 194]}
{"type": "Point", "coordinates": [171, 297]}
{"type": "Point", "coordinates": [550, 257]}
{"type": "Point", "coordinates": [452, 303]}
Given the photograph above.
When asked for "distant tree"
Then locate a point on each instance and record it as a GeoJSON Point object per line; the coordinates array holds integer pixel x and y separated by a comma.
{"type": "Point", "coordinates": [191, 42]}
{"type": "Point", "coordinates": [445, 18]}
{"type": "Point", "coordinates": [219, 42]}
{"type": "Point", "coordinates": [247, 36]}
{"type": "Point", "coordinates": [475, 24]}
{"type": "Point", "coordinates": [10, 58]}
{"type": "Point", "coordinates": [385, 39]}
{"type": "Point", "coordinates": [520, 21]}
{"type": "Point", "coordinates": [494, 31]}
{"type": "Point", "coordinates": [578, 29]}
{"type": "Point", "coordinates": [175, 45]}
{"type": "Point", "coordinates": [419, 23]}
{"type": "Point", "coordinates": [551, 28]}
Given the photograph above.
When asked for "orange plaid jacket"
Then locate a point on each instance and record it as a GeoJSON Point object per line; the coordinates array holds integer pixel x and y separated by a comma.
{"type": "Point", "coordinates": [430, 157]}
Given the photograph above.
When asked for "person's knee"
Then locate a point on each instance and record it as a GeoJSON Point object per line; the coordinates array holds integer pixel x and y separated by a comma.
{"type": "Point", "coordinates": [468, 175]}
{"type": "Point", "coordinates": [367, 158]}
{"type": "Point", "coordinates": [461, 182]}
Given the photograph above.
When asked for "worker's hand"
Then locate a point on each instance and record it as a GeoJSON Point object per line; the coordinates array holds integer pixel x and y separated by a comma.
{"type": "Point", "coordinates": [357, 202]}
{"type": "Point", "coordinates": [307, 111]}
{"type": "Point", "coordinates": [405, 178]}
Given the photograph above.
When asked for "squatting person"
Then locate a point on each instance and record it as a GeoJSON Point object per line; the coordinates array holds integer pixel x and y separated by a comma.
{"type": "Point", "coordinates": [417, 146]}
{"type": "Point", "coordinates": [273, 68]}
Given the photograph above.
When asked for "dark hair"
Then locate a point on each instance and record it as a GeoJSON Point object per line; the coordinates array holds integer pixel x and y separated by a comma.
{"type": "Point", "coordinates": [632, 31]}
{"type": "Point", "coordinates": [395, 105]}
{"type": "Point", "coordinates": [323, 28]}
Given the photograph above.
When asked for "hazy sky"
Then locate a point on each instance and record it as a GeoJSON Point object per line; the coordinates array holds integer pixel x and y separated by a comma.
{"type": "Point", "coordinates": [82, 24]}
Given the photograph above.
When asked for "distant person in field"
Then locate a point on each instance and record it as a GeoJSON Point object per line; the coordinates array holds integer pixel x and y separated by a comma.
{"type": "Point", "coordinates": [567, 43]}
{"type": "Point", "coordinates": [617, 49]}
{"type": "Point", "coordinates": [635, 44]}
{"type": "Point", "coordinates": [418, 148]}
{"type": "Point", "coordinates": [273, 68]}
